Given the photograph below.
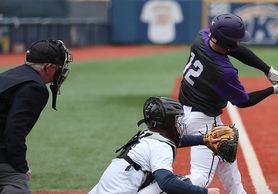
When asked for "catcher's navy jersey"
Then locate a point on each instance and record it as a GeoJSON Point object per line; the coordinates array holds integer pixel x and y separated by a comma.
{"type": "Point", "coordinates": [209, 79]}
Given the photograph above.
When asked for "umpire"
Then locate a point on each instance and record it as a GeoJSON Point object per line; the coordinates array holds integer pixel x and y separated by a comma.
{"type": "Point", "coordinates": [23, 95]}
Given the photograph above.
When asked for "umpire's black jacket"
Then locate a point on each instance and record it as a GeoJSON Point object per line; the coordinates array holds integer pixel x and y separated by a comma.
{"type": "Point", "coordinates": [23, 95]}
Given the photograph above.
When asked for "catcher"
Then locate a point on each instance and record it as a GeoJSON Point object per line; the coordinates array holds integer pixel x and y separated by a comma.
{"type": "Point", "coordinates": [144, 164]}
{"type": "Point", "coordinates": [222, 140]}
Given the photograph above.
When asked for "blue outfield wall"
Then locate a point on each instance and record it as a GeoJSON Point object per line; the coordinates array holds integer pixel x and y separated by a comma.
{"type": "Point", "coordinates": [134, 22]}
{"type": "Point", "coordinates": [161, 22]}
{"type": "Point", "coordinates": [178, 21]}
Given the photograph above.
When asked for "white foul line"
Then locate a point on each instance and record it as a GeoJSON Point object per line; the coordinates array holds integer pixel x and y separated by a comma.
{"type": "Point", "coordinates": [249, 154]}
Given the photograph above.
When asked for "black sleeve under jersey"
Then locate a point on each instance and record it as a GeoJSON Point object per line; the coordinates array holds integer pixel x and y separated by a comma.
{"type": "Point", "coordinates": [169, 183]}
{"type": "Point", "coordinates": [191, 140]}
{"type": "Point", "coordinates": [256, 97]}
{"type": "Point", "coordinates": [249, 58]}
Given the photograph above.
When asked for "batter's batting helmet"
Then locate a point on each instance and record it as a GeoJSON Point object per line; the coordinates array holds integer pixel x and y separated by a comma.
{"type": "Point", "coordinates": [161, 112]}
{"type": "Point", "coordinates": [228, 29]}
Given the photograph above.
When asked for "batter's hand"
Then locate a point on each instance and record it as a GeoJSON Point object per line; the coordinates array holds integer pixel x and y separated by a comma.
{"type": "Point", "coordinates": [213, 191]}
{"type": "Point", "coordinates": [273, 75]}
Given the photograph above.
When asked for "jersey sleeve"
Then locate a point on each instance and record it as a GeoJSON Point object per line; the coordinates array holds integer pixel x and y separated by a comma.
{"type": "Point", "coordinates": [169, 183]}
{"type": "Point", "coordinates": [177, 12]}
{"type": "Point", "coordinates": [161, 156]}
{"type": "Point", "coordinates": [147, 14]}
{"type": "Point", "coordinates": [191, 140]}
{"type": "Point", "coordinates": [230, 88]}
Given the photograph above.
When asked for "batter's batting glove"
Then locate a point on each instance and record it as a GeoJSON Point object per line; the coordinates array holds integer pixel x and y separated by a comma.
{"type": "Point", "coordinates": [273, 75]}
{"type": "Point", "coordinates": [275, 89]}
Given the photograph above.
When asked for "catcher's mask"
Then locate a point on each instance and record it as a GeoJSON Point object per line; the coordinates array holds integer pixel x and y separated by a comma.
{"type": "Point", "coordinates": [54, 52]}
{"type": "Point", "coordinates": [163, 113]}
{"type": "Point", "coordinates": [228, 30]}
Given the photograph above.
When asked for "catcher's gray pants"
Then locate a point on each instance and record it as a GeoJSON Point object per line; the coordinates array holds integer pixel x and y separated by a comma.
{"type": "Point", "coordinates": [12, 181]}
{"type": "Point", "coordinates": [152, 188]}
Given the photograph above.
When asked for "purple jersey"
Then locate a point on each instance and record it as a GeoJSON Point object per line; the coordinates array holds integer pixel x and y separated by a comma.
{"type": "Point", "coordinates": [209, 79]}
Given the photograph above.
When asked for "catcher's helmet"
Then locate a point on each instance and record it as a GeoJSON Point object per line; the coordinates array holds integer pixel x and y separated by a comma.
{"type": "Point", "coordinates": [228, 29]}
{"type": "Point", "coordinates": [54, 52]}
{"type": "Point", "coordinates": [162, 112]}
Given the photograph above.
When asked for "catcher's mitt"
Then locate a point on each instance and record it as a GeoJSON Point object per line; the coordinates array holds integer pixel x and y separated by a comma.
{"type": "Point", "coordinates": [226, 148]}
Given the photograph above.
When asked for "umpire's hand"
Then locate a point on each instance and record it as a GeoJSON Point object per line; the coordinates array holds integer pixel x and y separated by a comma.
{"type": "Point", "coordinates": [29, 173]}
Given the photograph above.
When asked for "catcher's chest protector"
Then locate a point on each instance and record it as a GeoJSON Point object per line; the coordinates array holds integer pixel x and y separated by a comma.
{"type": "Point", "coordinates": [134, 140]}
{"type": "Point", "coordinates": [145, 134]}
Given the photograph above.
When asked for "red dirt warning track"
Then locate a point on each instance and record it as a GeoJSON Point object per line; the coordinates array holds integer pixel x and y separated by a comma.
{"type": "Point", "coordinates": [260, 121]}
{"type": "Point", "coordinates": [98, 52]}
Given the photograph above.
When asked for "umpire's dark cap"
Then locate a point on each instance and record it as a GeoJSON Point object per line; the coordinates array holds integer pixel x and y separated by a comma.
{"type": "Point", "coordinates": [45, 51]}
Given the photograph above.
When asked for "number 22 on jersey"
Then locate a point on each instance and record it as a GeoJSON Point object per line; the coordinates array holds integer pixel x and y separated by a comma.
{"type": "Point", "coordinates": [193, 68]}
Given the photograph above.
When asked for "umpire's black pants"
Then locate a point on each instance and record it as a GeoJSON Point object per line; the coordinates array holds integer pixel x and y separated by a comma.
{"type": "Point", "coordinates": [12, 181]}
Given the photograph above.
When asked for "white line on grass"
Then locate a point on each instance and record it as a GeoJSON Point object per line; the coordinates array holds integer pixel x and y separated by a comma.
{"type": "Point", "coordinates": [249, 154]}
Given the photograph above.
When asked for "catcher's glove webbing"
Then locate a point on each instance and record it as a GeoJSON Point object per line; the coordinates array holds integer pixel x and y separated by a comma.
{"type": "Point", "coordinates": [226, 148]}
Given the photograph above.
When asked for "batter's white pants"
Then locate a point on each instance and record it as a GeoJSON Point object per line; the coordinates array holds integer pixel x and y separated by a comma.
{"type": "Point", "coordinates": [203, 164]}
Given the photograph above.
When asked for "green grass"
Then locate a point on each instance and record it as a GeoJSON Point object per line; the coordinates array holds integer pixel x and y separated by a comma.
{"type": "Point", "coordinates": [97, 112]}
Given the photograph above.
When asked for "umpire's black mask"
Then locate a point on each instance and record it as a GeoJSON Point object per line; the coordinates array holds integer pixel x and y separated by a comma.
{"type": "Point", "coordinates": [55, 52]}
